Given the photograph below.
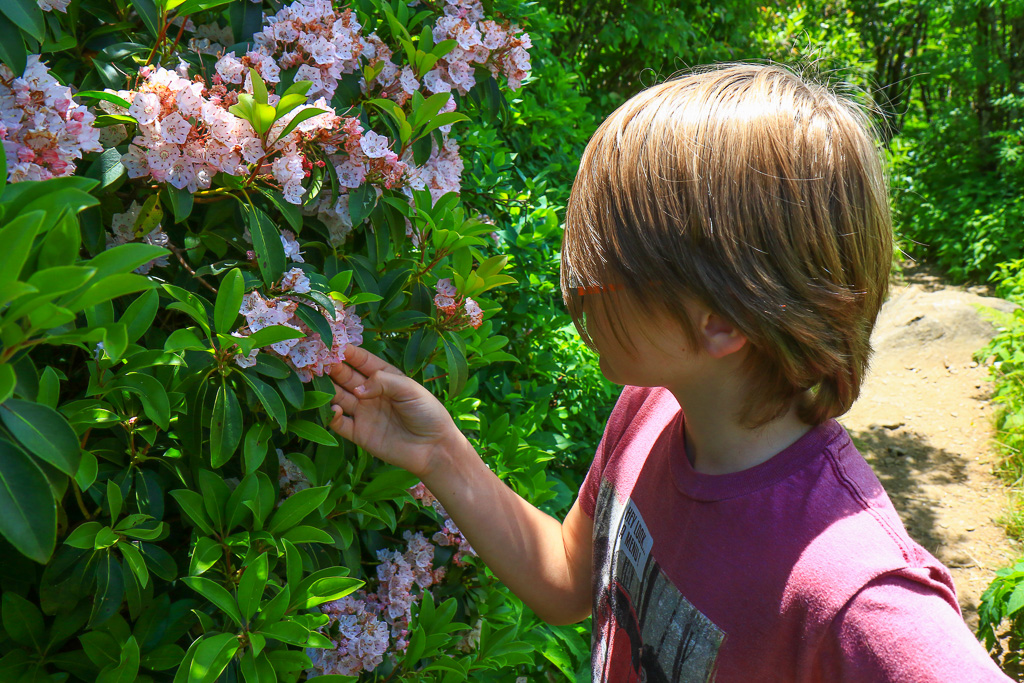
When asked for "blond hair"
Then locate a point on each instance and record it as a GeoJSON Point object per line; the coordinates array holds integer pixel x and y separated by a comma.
{"type": "Point", "coordinates": [758, 194]}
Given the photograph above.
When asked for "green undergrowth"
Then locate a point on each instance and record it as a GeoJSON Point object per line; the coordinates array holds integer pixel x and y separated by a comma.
{"type": "Point", "coordinates": [1003, 601]}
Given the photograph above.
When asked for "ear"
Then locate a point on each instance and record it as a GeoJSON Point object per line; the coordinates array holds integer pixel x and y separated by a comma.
{"type": "Point", "coordinates": [719, 336]}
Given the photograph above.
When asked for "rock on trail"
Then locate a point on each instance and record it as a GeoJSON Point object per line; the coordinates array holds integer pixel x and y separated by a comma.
{"type": "Point", "coordinates": [923, 422]}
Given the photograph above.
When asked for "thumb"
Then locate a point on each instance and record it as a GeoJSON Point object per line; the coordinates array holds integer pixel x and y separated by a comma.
{"type": "Point", "coordinates": [388, 384]}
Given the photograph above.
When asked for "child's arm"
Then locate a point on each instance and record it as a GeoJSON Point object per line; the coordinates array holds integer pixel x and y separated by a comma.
{"type": "Point", "coordinates": [898, 629]}
{"type": "Point", "coordinates": [547, 564]}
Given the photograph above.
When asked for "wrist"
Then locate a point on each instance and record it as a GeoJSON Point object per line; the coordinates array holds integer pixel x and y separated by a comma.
{"type": "Point", "coordinates": [446, 458]}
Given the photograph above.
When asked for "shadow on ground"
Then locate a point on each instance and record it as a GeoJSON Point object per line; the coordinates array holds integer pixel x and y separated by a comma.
{"type": "Point", "coordinates": [905, 462]}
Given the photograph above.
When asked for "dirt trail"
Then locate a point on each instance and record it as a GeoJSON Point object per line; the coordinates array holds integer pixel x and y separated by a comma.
{"type": "Point", "coordinates": [923, 423]}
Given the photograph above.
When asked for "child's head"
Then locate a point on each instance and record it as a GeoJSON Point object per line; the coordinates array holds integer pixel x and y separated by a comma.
{"type": "Point", "coordinates": [757, 195]}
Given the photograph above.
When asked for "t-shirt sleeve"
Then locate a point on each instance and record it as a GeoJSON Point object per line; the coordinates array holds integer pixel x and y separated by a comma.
{"type": "Point", "coordinates": [626, 406]}
{"type": "Point", "coordinates": [592, 482]}
{"type": "Point", "coordinates": [897, 629]}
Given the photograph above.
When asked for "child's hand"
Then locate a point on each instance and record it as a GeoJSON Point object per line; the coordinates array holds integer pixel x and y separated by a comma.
{"type": "Point", "coordinates": [388, 414]}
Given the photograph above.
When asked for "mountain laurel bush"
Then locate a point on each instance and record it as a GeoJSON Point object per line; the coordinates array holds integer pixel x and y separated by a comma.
{"type": "Point", "coordinates": [202, 202]}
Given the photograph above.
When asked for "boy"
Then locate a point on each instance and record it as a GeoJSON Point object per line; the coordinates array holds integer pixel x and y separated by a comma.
{"type": "Point", "coordinates": [727, 249]}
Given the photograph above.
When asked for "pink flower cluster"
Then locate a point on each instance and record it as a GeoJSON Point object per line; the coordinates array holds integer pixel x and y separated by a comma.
{"type": "Point", "coordinates": [122, 227]}
{"type": "Point", "coordinates": [366, 623]}
{"type": "Point", "coordinates": [290, 477]}
{"type": "Point", "coordinates": [449, 534]}
{"type": "Point", "coordinates": [442, 172]}
{"type": "Point", "coordinates": [457, 309]}
{"type": "Point", "coordinates": [309, 34]}
{"type": "Point", "coordinates": [186, 133]}
{"type": "Point", "coordinates": [362, 638]}
{"type": "Point", "coordinates": [309, 355]}
{"type": "Point", "coordinates": [501, 48]}
{"type": "Point", "coordinates": [42, 129]}
{"type": "Point", "coordinates": [363, 156]}
{"type": "Point", "coordinates": [50, 5]}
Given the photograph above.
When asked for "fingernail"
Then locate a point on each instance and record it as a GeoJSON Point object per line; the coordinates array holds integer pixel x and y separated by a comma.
{"type": "Point", "coordinates": [361, 389]}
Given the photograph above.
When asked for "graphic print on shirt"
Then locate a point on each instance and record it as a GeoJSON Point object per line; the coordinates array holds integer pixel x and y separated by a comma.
{"type": "Point", "coordinates": [645, 631]}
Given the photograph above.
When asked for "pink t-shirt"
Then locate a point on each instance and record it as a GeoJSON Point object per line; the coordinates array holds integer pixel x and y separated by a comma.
{"type": "Point", "coordinates": [797, 569]}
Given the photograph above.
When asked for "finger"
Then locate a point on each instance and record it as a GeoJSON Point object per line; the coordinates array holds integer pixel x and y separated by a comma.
{"type": "Point", "coordinates": [342, 423]}
{"type": "Point", "coordinates": [346, 376]}
{"type": "Point", "coordinates": [366, 363]}
{"type": "Point", "coordinates": [344, 399]}
{"type": "Point", "coordinates": [383, 383]}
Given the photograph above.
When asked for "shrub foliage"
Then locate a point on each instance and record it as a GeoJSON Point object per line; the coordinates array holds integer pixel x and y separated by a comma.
{"type": "Point", "coordinates": [204, 201]}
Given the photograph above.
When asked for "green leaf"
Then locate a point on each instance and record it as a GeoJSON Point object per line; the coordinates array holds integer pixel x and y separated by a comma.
{"type": "Point", "coordinates": [290, 212]}
{"type": "Point", "coordinates": [308, 534]}
{"type": "Point", "coordinates": [44, 432]}
{"type": "Point", "coordinates": [149, 14]}
{"type": "Point", "coordinates": [316, 322]}
{"type": "Point", "coordinates": [215, 496]}
{"type": "Point", "coordinates": [1016, 601]}
{"type": "Point", "coordinates": [288, 103]}
{"type": "Point", "coordinates": [216, 594]}
{"type": "Point", "coordinates": [181, 202]}
{"type": "Point", "coordinates": [12, 48]}
{"type": "Point", "coordinates": [309, 431]}
{"type": "Point", "coordinates": [269, 398]}
{"type": "Point", "coordinates": [127, 669]}
{"type": "Point", "coordinates": [105, 538]}
{"type": "Point", "coordinates": [445, 119]}
{"type": "Point", "coordinates": [229, 301]}
{"type": "Point", "coordinates": [303, 115]}
{"type": "Point", "coordinates": [266, 241]}
{"type": "Point", "coordinates": [165, 657]}
{"type": "Point", "coordinates": [151, 393]}
{"type": "Point", "coordinates": [388, 483]}
{"type": "Point", "coordinates": [27, 16]}
{"type": "Point", "coordinates": [83, 536]}
{"type": "Point", "coordinates": [264, 117]}
{"type": "Point", "coordinates": [341, 281]}
{"type": "Point", "coordinates": [293, 564]}
{"type": "Point", "coordinates": [263, 503]}
{"type": "Point", "coordinates": [273, 334]}
{"type": "Point", "coordinates": [105, 96]}
{"type": "Point", "coordinates": [213, 656]}
{"type": "Point", "coordinates": [115, 340]}
{"type": "Point", "coordinates": [23, 621]}
{"type": "Point", "coordinates": [191, 503]}
{"type": "Point", "coordinates": [132, 555]}
{"type": "Point", "coordinates": [88, 469]}
{"type": "Point", "coordinates": [124, 258]}
{"type": "Point", "coordinates": [109, 589]}
{"type": "Point", "coordinates": [295, 508]}
{"type": "Point", "coordinates": [226, 427]}
{"type": "Point", "coordinates": [150, 216]}
{"type": "Point", "coordinates": [298, 88]}
{"type": "Point", "coordinates": [193, 6]}
{"type": "Point", "coordinates": [107, 168]}
{"type": "Point", "coordinates": [110, 288]}
{"type": "Point", "coordinates": [139, 316]}
{"type": "Point", "coordinates": [254, 446]}
{"type": "Point", "coordinates": [327, 589]}
{"type": "Point", "coordinates": [458, 368]}
{"type": "Point", "coordinates": [183, 339]}
{"type": "Point", "coordinates": [114, 499]}
{"type": "Point", "coordinates": [361, 202]}
{"type": "Point", "coordinates": [205, 554]}
{"type": "Point", "coordinates": [17, 237]}
{"type": "Point", "coordinates": [251, 587]}
{"type": "Point", "coordinates": [237, 513]}
{"type": "Point", "coordinates": [259, 88]}
{"type": "Point", "coordinates": [257, 668]}
{"type": "Point", "coordinates": [8, 380]}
